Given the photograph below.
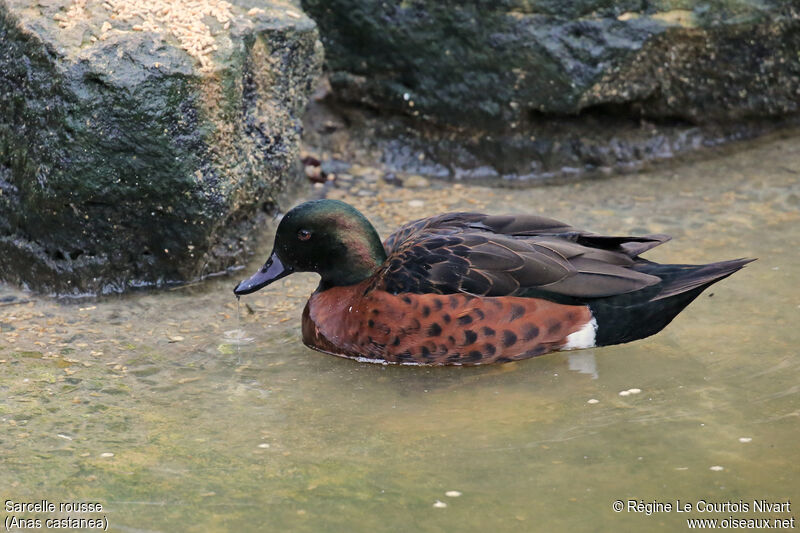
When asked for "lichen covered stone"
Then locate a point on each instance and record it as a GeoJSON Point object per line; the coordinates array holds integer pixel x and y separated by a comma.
{"type": "Point", "coordinates": [140, 139]}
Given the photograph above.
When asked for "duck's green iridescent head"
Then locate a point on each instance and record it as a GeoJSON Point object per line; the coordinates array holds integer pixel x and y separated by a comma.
{"type": "Point", "coordinates": [328, 237]}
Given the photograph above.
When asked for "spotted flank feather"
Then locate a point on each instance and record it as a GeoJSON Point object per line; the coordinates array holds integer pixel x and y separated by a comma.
{"type": "Point", "coordinates": [438, 329]}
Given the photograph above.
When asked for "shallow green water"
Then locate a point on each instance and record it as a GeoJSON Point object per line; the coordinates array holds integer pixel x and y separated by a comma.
{"type": "Point", "coordinates": [217, 424]}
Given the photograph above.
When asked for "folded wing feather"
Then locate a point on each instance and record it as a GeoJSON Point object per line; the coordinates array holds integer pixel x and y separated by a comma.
{"type": "Point", "coordinates": [512, 255]}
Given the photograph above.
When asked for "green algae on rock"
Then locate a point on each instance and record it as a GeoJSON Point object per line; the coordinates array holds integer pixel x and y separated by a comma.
{"type": "Point", "coordinates": [522, 88]}
{"type": "Point", "coordinates": [140, 141]}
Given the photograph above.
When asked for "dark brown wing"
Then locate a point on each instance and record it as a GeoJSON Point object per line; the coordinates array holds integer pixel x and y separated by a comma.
{"type": "Point", "coordinates": [520, 225]}
{"type": "Point", "coordinates": [521, 255]}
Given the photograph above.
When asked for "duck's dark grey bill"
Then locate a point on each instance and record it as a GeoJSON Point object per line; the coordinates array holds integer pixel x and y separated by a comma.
{"type": "Point", "coordinates": [272, 270]}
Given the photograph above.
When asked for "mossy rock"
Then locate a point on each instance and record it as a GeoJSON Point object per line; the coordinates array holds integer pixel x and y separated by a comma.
{"type": "Point", "coordinates": [137, 150]}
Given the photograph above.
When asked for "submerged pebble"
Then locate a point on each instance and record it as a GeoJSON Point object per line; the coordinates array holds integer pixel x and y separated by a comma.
{"type": "Point", "coordinates": [593, 400]}
{"type": "Point", "coordinates": [439, 504]}
{"type": "Point", "coordinates": [106, 454]}
{"type": "Point", "coordinates": [452, 494]}
{"type": "Point", "coordinates": [745, 439]}
{"type": "Point", "coordinates": [629, 392]}
{"type": "Point", "coordinates": [416, 182]}
{"type": "Point", "coordinates": [716, 468]}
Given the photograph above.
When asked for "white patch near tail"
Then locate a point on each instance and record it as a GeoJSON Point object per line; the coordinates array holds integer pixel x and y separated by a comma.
{"type": "Point", "coordinates": [583, 338]}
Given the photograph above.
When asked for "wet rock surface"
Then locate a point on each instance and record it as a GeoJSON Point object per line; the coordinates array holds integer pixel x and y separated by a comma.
{"type": "Point", "coordinates": [140, 142]}
{"type": "Point", "coordinates": [536, 90]}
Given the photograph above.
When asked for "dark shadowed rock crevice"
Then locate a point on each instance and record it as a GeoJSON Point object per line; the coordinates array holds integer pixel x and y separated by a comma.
{"type": "Point", "coordinates": [134, 152]}
{"type": "Point", "coordinates": [524, 91]}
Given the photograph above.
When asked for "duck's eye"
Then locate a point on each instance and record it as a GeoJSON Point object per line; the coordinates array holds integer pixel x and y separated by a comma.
{"type": "Point", "coordinates": [303, 234]}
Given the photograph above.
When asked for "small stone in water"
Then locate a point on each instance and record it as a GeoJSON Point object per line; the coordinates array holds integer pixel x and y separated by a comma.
{"type": "Point", "coordinates": [624, 393]}
{"type": "Point", "coordinates": [452, 494]}
{"type": "Point", "coordinates": [593, 401]}
{"type": "Point", "coordinates": [392, 179]}
{"type": "Point", "coordinates": [745, 439]}
{"type": "Point", "coordinates": [716, 468]}
{"type": "Point", "coordinates": [416, 203]}
{"type": "Point", "coordinates": [439, 505]}
{"type": "Point", "coordinates": [315, 174]}
{"type": "Point", "coordinates": [634, 391]}
{"type": "Point", "coordinates": [416, 182]}
{"type": "Point", "coordinates": [106, 454]}
{"type": "Point", "coordinates": [263, 445]}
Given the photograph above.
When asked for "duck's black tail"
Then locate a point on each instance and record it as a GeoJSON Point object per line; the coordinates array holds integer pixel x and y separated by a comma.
{"type": "Point", "coordinates": [639, 314]}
